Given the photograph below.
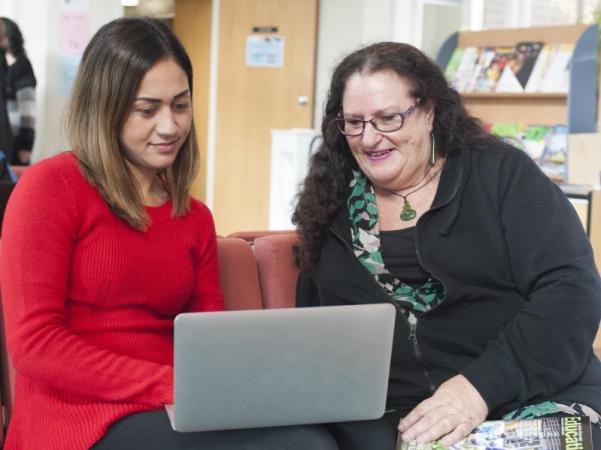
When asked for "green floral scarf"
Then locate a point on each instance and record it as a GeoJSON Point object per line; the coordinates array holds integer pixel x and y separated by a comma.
{"type": "Point", "coordinates": [365, 232]}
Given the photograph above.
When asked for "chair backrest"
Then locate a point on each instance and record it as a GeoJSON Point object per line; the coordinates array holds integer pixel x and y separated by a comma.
{"type": "Point", "coordinates": [238, 274]}
{"type": "Point", "coordinates": [250, 236]}
{"type": "Point", "coordinates": [278, 272]}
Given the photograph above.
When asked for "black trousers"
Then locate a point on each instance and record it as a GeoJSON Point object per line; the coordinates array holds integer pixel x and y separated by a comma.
{"type": "Point", "coordinates": [151, 430]}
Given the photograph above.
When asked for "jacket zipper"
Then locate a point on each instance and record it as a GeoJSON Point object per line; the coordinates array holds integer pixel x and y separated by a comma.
{"type": "Point", "coordinates": [418, 355]}
{"type": "Point", "coordinates": [412, 327]}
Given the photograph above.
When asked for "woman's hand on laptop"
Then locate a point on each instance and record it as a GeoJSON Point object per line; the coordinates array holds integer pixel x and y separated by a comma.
{"type": "Point", "coordinates": [455, 409]}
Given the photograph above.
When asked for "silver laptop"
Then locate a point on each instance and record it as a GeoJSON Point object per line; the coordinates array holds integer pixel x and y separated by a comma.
{"type": "Point", "coordinates": [273, 367]}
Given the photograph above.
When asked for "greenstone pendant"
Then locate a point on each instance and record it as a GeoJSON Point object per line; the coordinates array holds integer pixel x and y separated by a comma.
{"type": "Point", "coordinates": [408, 212]}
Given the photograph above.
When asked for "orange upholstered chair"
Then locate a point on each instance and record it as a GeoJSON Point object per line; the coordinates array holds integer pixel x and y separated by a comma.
{"type": "Point", "coordinates": [278, 272]}
{"type": "Point", "coordinates": [250, 236]}
{"type": "Point", "coordinates": [238, 274]}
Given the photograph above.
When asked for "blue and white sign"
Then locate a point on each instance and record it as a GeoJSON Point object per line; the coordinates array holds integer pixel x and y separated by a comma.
{"type": "Point", "coordinates": [264, 51]}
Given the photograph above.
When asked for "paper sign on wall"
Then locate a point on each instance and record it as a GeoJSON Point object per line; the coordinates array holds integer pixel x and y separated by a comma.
{"type": "Point", "coordinates": [74, 5]}
{"type": "Point", "coordinates": [67, 70]}
{"type": "Point", "coordinates": [264, 51]}
{"type": "Point", "coordinates": [74, 35]}
{"type": "Point", "coordinates": [74, 31]}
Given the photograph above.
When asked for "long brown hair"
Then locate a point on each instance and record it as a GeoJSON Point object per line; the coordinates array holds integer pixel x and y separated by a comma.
{"type": "Point", "coordinates": [111, 70]}
{"type": "Point", "coordinates": [325, 187]}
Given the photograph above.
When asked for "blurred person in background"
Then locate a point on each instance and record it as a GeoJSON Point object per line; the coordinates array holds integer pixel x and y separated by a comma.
{"type": "Point", "coordinates": [5, 133]}
{"type": "Point", "coordinates": [19, 89]}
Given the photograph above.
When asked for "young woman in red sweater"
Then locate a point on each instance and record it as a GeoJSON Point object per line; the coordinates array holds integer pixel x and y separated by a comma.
{"type": "Point", "coordinates": [102, 247]}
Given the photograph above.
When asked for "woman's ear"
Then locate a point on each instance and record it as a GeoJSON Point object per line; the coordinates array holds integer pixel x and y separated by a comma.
{"type": "Point", "coordinates": [428, 108]}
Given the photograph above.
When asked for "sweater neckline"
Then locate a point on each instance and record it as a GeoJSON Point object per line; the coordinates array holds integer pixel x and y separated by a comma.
{"type": "Point", "coordinates": [160, 212]}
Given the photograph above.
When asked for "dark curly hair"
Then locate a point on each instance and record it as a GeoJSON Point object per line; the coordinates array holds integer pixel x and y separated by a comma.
{"type": "Point", "coordinates": [15, 37]}
{"type": "Point", "coordinates": [325, 187]}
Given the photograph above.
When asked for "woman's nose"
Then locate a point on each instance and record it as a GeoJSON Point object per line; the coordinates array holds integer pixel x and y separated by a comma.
{"type": "Point", "coordinates": [166, 123]}
{"type": "Point", "coordinates": [370, 136]}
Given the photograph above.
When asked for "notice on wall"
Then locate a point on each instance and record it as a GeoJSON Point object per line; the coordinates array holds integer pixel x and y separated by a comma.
{"type": "Point", "coordinates": [74, 34]}
{"type": "Point", "coordinates": [67, 71]}
{"type": "Point", "coordinates": [74, 31]}
{"type": "Point", "coordinates": [74, 5]}
{"type": "Point", "coordinates": [264, 51]}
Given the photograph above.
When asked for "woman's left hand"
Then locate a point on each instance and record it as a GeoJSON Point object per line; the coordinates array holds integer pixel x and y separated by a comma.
{"type": "Point", "coordinates": [455, 409]}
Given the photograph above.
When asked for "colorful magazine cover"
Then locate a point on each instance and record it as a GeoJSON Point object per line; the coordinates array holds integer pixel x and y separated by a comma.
{"type": "Point", "coordinates": [478, 76]}
{"type": "Point", "coordinates": [510, 132]}
{"type": "Point", "coordinates": [519, 67]}
{"type": "Point", "coordinates": [453, 63]}
{"type": "Point", "coordinates": [557, 74]}
{"type": "Point", "coordinates": [539, 69]}
{"type": "Point", "coordinates": [462, 75]}
{"type": "Point", "coordinates": [490, 72]}
{"type": "Point", "coordinates": [553, 159]}
{"type": "Point", "coordinates": [548, 433]}
{"type": "Point", "coordinates": [534, 139]}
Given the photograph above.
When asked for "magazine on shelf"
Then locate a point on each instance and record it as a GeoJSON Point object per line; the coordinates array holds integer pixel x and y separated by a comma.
{"type": "Point", "coordinates": [539, 69]}
{"type": "Point", "coordinates": [557, 76]}
{"type": "Point", "coordinates": [465, 69]}
{"type": "Point", "coordinates": [453, 63]}
{"type": "Point", "coordinates": [546, 145]}
{"type": "Point", "coordinates": [487, 78]}
{"type": "Point", "coordinates": [534, 139]}
{"type": "Point", "coordinates": [479, 77]}
{"type": "Point", "coordinates": [553, 160]}
{"type": "Point", "coordinates": [519, 67]}
{"type": "Point", "coordinates": [548, 433]}
{"type": "Point", "coordinates": [530, 138]}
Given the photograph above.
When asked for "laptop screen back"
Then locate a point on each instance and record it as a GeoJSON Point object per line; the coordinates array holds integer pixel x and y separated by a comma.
{"type": "Point", "coordinates": [246, 369]}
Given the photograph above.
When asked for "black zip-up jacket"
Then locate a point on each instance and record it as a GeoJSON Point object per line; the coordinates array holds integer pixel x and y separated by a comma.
{"type": "Point", "coordinates": [523, 295]}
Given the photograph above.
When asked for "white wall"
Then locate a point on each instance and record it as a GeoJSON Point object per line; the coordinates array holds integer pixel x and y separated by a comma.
{"type": "Point", "coordinates": [345, 25]}
{"type": "Point", "coordinates": [39, 22]}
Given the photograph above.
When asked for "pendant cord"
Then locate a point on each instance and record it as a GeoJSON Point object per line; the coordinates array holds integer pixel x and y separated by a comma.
{"type": "Point", "coordinates": [404, 196]}
{"type": "Point", "coordinates": [408, 213]}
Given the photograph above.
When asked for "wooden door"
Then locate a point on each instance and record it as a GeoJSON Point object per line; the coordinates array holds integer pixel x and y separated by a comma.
{"type": "Point", "coordinates": [253, 100]}
{"type": "Point", "coordinates": [192, 24]}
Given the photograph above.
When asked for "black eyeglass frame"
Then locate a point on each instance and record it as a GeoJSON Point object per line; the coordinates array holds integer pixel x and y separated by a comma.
{"type": "Point", "coordinates": [339, 121]}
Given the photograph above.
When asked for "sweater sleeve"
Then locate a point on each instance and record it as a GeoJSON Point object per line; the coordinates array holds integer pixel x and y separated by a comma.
{"type": "Point", "coordinates": [40, 227]}
{"type": "Point", "coordinates": [207, 295]}
{"type": "Point", "coordinates": [548, 343]}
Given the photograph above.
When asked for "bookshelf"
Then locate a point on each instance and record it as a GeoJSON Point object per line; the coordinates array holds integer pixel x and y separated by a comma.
{"type": "Point", "coordinates": [577, 109]}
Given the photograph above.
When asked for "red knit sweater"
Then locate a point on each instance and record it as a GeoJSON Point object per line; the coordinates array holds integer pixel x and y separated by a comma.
{"type": "Point", "coordinates": [89, 304]}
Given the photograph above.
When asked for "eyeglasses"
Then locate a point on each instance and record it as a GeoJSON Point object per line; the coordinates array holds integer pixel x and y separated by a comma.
{"type": "Point", "coordinates": [385, 123]}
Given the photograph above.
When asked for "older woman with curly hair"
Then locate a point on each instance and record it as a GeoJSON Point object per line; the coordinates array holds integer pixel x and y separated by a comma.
{"type": "Point", "coordinates": [409, 201]}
